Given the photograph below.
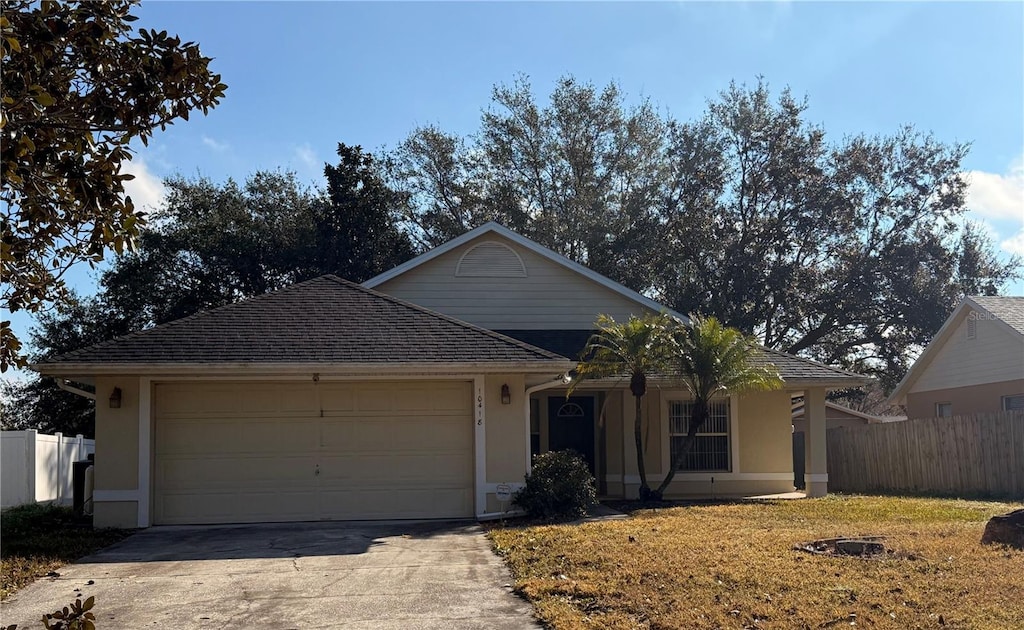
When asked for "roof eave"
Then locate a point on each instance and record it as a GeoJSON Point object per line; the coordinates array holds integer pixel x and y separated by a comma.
{"type": "Point", "coordinates": [273, 369]}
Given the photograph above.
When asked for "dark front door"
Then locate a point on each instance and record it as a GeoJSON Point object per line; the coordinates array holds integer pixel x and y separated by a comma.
{"type": "Point", "coordinates": [571, 426]}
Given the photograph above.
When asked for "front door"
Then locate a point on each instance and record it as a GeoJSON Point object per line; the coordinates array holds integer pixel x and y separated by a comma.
{"type": "Point", "coordinates": [571, 426]}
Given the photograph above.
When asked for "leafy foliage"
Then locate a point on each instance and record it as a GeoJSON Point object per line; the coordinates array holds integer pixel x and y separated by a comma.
{"type": "Point", "coordinates": [851, 252]}
{"type": "Point", "coordinates": [79, 86]}
{"type": "Point", "coordinates": [710, 359]}
{"type": "Point", "coordinates": [75, 616]}
{"type": "Point", "coordinates": [636, 349]}
{"type": "Point", "coordinates": [559, 486]}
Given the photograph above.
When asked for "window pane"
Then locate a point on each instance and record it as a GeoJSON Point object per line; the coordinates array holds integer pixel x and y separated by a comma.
{"type": "Point", "coordinates": [1013, 403]}
{"type": "Point", "coordinates": [709, 453]}
{"type": "Point", "coordinates": [944, 410]}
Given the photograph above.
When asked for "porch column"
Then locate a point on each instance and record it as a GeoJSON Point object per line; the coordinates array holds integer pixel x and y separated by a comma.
{"type": "Point", "coordinates": [815, 464]}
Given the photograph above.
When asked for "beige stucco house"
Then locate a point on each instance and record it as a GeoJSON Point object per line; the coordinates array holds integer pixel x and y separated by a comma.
{"type": "Point", "coordinates": [974, 364]}
{"type": "Point", "coordinates": [422, 393]}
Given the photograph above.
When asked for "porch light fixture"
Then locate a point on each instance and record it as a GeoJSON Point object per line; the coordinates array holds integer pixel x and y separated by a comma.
{"type": "Point", "coordinates": [115, 398]}
{"type": "Point", "coordinates": [506, 395]}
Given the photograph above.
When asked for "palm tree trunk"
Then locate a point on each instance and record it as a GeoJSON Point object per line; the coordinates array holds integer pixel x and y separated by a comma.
{"type": "Point", "coordinates": [637, 434]}
{"type": "Point", "coordinates": [700, 414]}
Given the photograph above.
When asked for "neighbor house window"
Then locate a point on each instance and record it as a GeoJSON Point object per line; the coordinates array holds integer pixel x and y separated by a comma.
{"type": "Point", "coordinates": [710, 450]}
{"type": "Point", "coordinates": [534, 427]}
{"type": "Point", "coordinates": [1013, 403]}
{"type": "Point", "coordinates": [943, 410]}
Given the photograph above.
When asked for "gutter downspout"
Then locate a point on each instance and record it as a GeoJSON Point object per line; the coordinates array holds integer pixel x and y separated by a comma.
{"type": "Point", "coordinates": [66, 385]}
{"type": "Point", "coordinates": [561, 381]}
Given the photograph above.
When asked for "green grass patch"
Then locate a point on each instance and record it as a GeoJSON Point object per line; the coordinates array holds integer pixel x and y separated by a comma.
{"type": "Point", "coordinates": [38, 539]}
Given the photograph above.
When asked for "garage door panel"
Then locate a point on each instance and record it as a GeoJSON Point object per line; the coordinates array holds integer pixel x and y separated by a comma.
{"type": "Point", "coordinates": [369, 503]}
{"type": "Point", "coordinates": [248, 452]}
{"type": "Point", "coordinates": [202, 473]}
{"type": "Point", "coordinates": [390, 469]}
{"type": "Point", "coordinates": [237, 507]}
{"type": "Point", "coordinates": [237, 436]}
{"type": "Point", "coordinates": [337, 398]}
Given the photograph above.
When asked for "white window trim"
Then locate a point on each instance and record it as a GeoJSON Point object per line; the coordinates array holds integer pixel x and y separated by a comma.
{"type": "Point", "coordinates": [668, 396]}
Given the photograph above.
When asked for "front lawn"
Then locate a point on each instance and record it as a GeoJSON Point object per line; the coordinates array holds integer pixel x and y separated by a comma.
{"type": "Point", "coordinates": [734, 566]}
{"type": "Point", "coordinates": [38, 539]}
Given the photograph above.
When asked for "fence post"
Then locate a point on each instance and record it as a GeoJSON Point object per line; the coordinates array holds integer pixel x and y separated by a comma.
{"type": "Point", "coordinates": [60, 465]}
{"type": "Point", "coordinates": [30, 463]}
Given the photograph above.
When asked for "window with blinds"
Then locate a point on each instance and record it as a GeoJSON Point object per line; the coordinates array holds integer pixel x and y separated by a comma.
{"type": "Point", "coordinates": [710, 451]}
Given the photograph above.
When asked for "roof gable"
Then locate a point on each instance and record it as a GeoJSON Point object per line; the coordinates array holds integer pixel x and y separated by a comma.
{"type": "Point", "coordinates": [1006, 311]}
{"type": "Point", "coordinates": [492, 229]}
{"type": "Point", "coordinates": [326, 320]}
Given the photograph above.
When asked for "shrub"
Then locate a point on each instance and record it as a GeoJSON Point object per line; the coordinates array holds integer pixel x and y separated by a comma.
{"type": "Point", "coordinates": [560, 486]}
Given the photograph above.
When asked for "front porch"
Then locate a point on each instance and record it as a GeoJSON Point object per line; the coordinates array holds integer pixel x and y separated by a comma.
{"type": "Point", "coordinates": [744, 450]}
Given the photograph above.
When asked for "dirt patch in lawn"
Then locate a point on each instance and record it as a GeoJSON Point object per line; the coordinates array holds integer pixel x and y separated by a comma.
{"type": "Point", "coordinates": [38, 539]}
{"type": "Point", "coordinates": [735, 566]}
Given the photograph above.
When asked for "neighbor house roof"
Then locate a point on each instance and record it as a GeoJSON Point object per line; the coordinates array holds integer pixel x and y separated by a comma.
{"type": "Point", "coordinates": [1007, 310]}
{"type": "Point", "coordinates": [324, 321]}
{"type": "Point", "coordinates": [496, 228]}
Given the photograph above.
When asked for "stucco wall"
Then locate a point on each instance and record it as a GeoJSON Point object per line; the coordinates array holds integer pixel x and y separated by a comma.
{"type": "Point", "coordinates": [986, 398]}
{"type": "Point", "coordinates": [117, 444]}
{"type": "Point", "coordinates": [765, 435]}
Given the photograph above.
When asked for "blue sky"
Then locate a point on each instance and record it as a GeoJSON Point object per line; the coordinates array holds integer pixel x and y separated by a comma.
{"type": "Point", "coordinates": [304, 76]}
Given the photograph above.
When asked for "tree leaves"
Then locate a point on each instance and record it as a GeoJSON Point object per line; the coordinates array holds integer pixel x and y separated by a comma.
{"type": "Point", "coordinates": [78, 88]}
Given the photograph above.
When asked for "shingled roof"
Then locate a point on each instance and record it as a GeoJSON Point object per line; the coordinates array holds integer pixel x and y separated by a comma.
{"type": "Point", "coordinates": [326, 320]}
{"type": "Point", "coordinates": [793, 368]}
{"type": "Point", "coordinates": [1009, 308]}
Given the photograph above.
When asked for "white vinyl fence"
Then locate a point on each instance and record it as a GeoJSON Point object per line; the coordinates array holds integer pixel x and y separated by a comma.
{"type": "Point", "coordinates": [36, 467]}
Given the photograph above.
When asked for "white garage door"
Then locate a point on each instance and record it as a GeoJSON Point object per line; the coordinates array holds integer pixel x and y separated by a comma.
{"type": "Point", "coordinates": [294, 451]}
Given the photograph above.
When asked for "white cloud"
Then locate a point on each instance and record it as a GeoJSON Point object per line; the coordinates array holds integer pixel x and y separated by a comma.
{"type": "Point", "coordinates": [217, 146]}
{"type": "Point", "coordinates": [1014, 244]}
{"type": "Point", "coordinates": [146, 190]}
{"type": "Point", "coordinates": [997, 196]}
{"type": "Point", "coordinates": [307, 157]}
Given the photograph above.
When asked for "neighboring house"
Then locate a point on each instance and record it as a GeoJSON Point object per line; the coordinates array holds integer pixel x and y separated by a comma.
{"type": "Point", "coordinates": [417, 395]}
{"type": "Point", "coordinates": [974, 364]}
{"type": "Point", "coordinates": [838, 416]}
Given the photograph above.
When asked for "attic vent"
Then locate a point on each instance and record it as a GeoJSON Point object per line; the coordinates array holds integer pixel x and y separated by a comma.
{"type": "Point", "coordinates": [972, 325]}
{"type": "Point", "coordinates": [491, 260]}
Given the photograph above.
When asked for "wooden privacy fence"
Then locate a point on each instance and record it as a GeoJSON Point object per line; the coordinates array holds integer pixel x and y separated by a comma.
{"type": "Point", "coordinates": [980, 454]}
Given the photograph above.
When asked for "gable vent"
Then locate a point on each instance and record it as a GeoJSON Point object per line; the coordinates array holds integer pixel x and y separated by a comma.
{"type": "Point", "coordinates": [490, 260]}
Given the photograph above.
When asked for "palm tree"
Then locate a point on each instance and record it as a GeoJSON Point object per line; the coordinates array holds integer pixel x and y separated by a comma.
{"type": "Point", "coordinates": [636, 348]}
{"type": "Point", "coordinates": [712, 359]}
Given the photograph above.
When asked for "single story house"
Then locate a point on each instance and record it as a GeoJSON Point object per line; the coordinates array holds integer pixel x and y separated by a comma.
{"type": "Point", "coordinates": [422, 393]}
{"type": "Point", "coordinates": [974, 363]}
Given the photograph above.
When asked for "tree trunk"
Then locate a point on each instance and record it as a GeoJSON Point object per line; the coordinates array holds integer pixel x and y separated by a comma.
{"type": "Point", "coordinates": [700, 414]}
{"type": "Point", "coordinates": [645, 490]}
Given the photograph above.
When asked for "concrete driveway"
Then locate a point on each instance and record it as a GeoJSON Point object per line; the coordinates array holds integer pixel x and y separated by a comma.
{"type": "Point", "coordinates": [297, 575]}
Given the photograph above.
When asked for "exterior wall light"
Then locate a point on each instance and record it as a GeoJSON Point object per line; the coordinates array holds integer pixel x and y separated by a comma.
{"type": "Point", "coordinates": [506, 395]}
{"type": "Point", "coordinates": [115, 398]}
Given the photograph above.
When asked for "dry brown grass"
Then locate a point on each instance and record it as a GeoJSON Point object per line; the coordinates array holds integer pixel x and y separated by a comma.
{"type": "Point", "coordinates": [733, 566]}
